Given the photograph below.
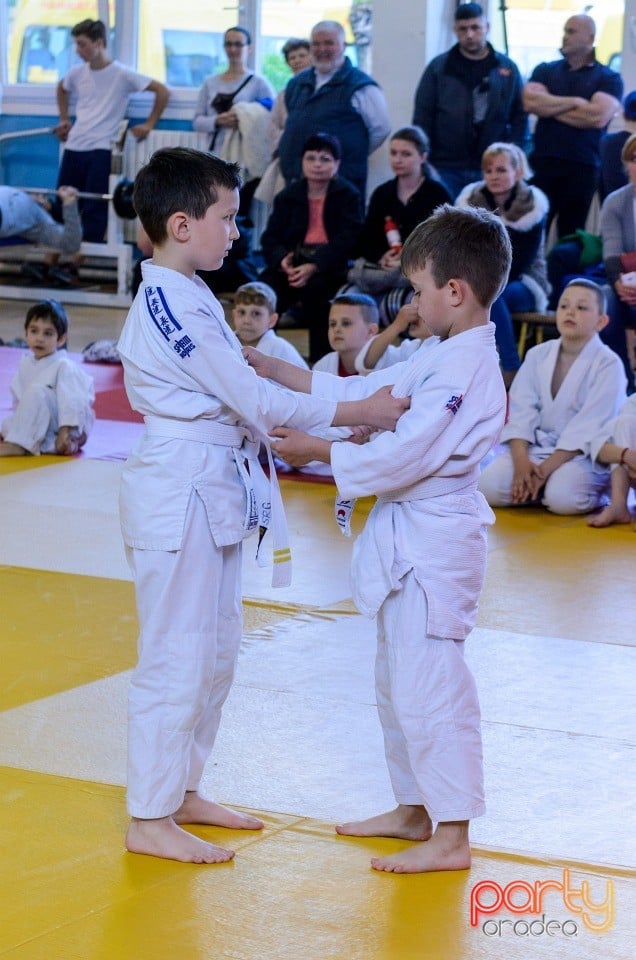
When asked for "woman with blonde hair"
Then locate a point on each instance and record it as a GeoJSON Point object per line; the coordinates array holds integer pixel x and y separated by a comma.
{"type": "Point", "coordinates": [523, 209]}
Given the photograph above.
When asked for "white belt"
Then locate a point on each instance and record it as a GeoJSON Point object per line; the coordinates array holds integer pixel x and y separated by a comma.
{"type": "Point", "coordinates": [264, 504]}
{"type": "Point", "coordinates": [203, 431]}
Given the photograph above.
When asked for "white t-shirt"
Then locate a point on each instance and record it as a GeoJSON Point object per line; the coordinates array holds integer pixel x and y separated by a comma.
{"type": "Point", "coordinates": [102, 102]}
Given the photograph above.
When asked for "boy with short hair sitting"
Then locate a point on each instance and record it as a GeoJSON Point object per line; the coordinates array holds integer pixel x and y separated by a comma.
{"type": "Point", "coordinates": [254, 317]}
{"type": "Point", "coordinates": [419, 563]}
{"type": "Point", "coordinates": [191, 491]}
{"type": "Point", "coordinates": [564, 393]}
{"type": "Point", "coordinates": [52, 396]}
{"type": "Point", "coordinates": [353, 321]}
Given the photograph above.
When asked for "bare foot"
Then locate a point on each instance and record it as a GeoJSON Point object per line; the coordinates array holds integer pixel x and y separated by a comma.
{"type": "Point", "coordinates": [69, 440]}
{"type": "Point", "coordinates": [612, 513]}
{"type": "Point", "coordinates": [405, 823]}
{"type": "Point", "coordinates": [8, 449]}
{"type": "Point", "coordinates": [448, 849]}
{"type": "Point", "coordinates": [196, 809]}
{"type": "Point", "coordinates": [163, 838]}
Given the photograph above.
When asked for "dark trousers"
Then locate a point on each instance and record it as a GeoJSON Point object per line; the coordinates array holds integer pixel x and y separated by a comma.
{"type": "Point", "coordinates": [88, 170]}
{"type": "Point", "coordinates": [569, 187]}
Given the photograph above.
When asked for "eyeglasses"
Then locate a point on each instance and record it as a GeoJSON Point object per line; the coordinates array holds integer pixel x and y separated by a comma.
{"type": "Point", "coordinates": [234, 43]}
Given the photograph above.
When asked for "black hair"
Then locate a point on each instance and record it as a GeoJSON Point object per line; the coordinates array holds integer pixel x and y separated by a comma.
{"type": "Point", "coordinates": [49, 310]}
{"type": "Point", "coordinates": [180, 178]}
{"type": "Point", "coordinates": [93, 29]}
{"type": "Point", "coordinates": [323, 141]}
{"type": "Point", "coordinates": [468, 11]}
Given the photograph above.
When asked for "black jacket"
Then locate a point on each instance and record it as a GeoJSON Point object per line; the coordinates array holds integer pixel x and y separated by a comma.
{"type": "Point", "coordinates": [288, 222]}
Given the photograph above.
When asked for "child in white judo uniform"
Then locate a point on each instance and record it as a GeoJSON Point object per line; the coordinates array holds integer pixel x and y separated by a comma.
{"type": "Point", "coordinates": [382, 351]}
{"type": "Point", "coordinates": [191, 491]}
{"type": "Point", "coordinates": [254, 317]}
{"type": "Point", "coordinates": [616, 447]}
{"type": "Point", "coordinates": [52, 396]}
{"type": "Point", "coordinates": [419, 563]}
{"type": "Point", "coordinates": [353, 322]}
{"type": "Point", "coordinates": [564, 393]}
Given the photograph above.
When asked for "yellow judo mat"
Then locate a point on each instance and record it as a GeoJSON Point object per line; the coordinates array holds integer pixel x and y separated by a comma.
{"type": "Point", "coordinates": [300, 746]}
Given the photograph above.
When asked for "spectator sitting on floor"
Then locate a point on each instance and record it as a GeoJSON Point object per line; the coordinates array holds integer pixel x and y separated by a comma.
{"type": "Point", "coordinates": [52, 396]}
{"type": "Point", "coordinates": [523, 210]}
{"type": "Point", "coordinates": [353, 321]}
{"type": "Point", "coordinates": [254, 317]}
{"type": "Point", "coordinates": [618, 450]}
{"type": "Point", "coordinates": [310, 237]}
{"type": "Point", "coordinates": [567, 390]}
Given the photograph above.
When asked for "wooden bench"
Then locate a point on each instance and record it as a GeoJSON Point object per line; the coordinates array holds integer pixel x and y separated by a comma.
{"type": "Point", "coordinates": [531, 328]}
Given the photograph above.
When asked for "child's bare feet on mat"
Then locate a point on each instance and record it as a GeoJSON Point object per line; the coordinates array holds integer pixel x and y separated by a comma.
{"type": "Point", "coordinates": [8, 449]}
{"type": "Point", "coordinates": [405, 823]}
{"type": "Point", "coordinates": [448, 849]}
{"type": "Point", "coordinates": [69, 440]}
{"type": "Point", "coordinates": [609, 515]}
{"type": "Point", "coordinates": [196, 809]}
{"type": "Point", "coordinates": [163, 838]}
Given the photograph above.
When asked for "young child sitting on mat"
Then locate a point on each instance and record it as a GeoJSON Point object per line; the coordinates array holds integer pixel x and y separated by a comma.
{"type": "Point", "coordinates": [254, 317]}
{"type": "Point", "coordinates": [353, 321]}
{"type": "Point", "coordinates": [52, 396]}
{"type": "Point", "coordinates": [565, 392]}
{"type": "Point", "coordinates": [419, 563]}
{"type": "Point", "coordinates": [191, 491]}
{"type": "Point", "coordinates": [618, 450]}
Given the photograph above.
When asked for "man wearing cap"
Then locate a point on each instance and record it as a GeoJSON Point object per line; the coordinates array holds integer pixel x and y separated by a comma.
{"type": "Point", "coordinates": [468, 98]}
{"type": "Point", "coordinates": [574, 99]}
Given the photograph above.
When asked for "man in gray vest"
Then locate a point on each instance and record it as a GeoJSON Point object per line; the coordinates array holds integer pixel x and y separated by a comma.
{"type": "Point", "coordinates": [333, 96]}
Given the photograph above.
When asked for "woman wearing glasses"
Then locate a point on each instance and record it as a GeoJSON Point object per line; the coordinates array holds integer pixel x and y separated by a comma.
{"type": "Point", "coordinates": [215, 112]}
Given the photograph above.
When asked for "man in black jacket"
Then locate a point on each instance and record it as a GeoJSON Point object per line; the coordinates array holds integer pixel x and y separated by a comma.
{"type": "Point", "coordinates": [467, 99]}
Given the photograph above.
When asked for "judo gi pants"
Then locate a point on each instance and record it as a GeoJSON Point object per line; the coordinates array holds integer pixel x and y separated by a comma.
{"type": "Point", "coordinates": [34, 423]}
{"type": "Point", "coordinates": [429, 711]}
{"type": "Point", "coordinates": [190, 618]}
{"type": "Point", "coordinates": [574, 487]}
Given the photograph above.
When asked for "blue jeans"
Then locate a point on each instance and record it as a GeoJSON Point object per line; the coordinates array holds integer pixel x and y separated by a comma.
{"type": "Point", "coordinates": [456, 178]}
{"type": "Point", "coordinates": [515, 298]}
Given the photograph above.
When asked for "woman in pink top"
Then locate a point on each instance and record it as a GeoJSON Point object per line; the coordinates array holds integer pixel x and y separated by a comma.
{"type": "Point", "coordinates": [310, 237]}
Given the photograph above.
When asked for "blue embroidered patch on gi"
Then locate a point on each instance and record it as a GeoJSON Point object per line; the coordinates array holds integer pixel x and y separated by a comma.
{"type": "Point", "coordinates": [166, 323]}
{"type": "Point", "coordinates": [454, 403]}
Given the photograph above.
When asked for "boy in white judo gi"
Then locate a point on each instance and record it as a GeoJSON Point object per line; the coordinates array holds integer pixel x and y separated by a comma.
{"type": "Point", "coordinates": [52, 396]}
{"type": "Point", "coordinates": [419, 563]}
{"type": "Point", "coordinates": [254, 317]}
{"type": "Point", "coordinates": [191, 492]}
{"type": "Point", "coordinates": [616, 447]}
{"type": "Point", "coordinates": [382, 351]}
{"type": "Point", "coordinates": [353, 322]}
{"type": "Point", "coordinates": [564, 393]}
